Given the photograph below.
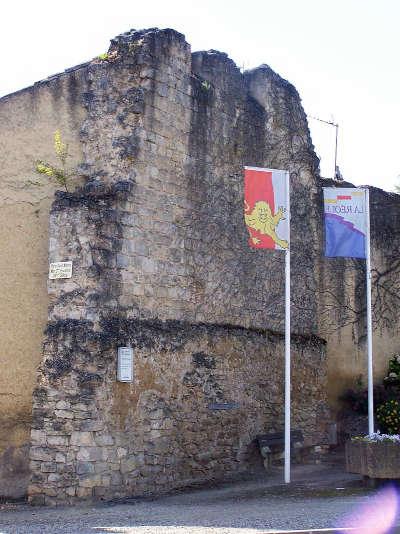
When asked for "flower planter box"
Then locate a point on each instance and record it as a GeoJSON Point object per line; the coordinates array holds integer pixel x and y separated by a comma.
{"type": "Point", "coordinates": [374, 460]}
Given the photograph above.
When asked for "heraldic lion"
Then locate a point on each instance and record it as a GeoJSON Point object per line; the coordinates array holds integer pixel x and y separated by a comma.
{"type": "Point", "coordinates": [262, 220]}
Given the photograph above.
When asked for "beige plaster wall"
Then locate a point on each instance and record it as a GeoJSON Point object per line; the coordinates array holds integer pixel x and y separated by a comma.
{"type": "Point", "coordinates": [28, 120]}
{"type": "Point", "coordinates": [342, 302]}
{"type": "Point", "coordinates": [347, 361]}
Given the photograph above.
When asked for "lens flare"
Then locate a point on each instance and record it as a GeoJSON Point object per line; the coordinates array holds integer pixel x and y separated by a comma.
{"type": "Point", "coordinates": [377, 516]}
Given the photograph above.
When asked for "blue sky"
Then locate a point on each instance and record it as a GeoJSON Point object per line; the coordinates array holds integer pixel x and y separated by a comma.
{"type": "Point", "coordinates": [343, 57]}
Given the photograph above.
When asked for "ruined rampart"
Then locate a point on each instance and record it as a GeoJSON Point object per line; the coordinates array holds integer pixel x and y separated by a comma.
{"type": "Point", "coordinates": [160, 258]}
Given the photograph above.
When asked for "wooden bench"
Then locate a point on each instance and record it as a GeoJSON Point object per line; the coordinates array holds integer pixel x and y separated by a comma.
{"type": "Point", "coordinates": [275, 442]}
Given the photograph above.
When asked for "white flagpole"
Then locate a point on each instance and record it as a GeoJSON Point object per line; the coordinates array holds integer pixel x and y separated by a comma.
{"type": "Point", "coordinates": [369, 320]}
{"type": "Point", "coordinates": [287, 340]}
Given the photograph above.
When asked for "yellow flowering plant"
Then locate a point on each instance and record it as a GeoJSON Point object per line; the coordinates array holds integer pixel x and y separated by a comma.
{"type": "Point", "coordinates": [107, 56]}
{"type": "Point", "coordinates": [388, 416]}
{"type": "Point", "coordinates": [59, 173]}
{"type": "Point", "coordinates": [61, 149]}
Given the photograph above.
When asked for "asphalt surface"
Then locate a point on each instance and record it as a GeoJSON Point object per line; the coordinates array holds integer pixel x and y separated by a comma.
{"type": "Point", "coordinates": [320, 497]}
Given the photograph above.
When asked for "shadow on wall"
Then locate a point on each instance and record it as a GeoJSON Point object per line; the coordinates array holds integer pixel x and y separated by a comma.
{"type": "Point", "coordinates": [14, 472]}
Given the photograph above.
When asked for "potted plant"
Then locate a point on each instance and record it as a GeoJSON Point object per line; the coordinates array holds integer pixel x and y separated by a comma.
{"type": "Point", "coordinates": [377, 455]}
{"type": "Point", "coordinates": [374, 455]}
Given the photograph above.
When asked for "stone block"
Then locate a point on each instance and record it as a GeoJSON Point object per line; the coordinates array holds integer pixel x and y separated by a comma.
{"type": "Point", "coordinates": [38, 437]}
{"type": "Point", "coordinates": [162, 89]}
{"type": "Point", "coordinates": [128, 464]}
{"type": "Point", "coordinates": [116, 479]}
{"type": "Point", "coordinates": [34, 465]}
{"type": "Point", "coordinates": [90, 481]}
{"type": "Point", "coordinates": [48, 467]}
{"type": "Point", "coordinates": [62, 405]}
{"type": "Point", "coordinates": [43, 455]}
{"type": "Point", "coordinates": [140, 459]}
{"type": "Point", "coordinates": [105, 481]}
{"type": "Point", "coordinates": [157, 414]}
{"type": "Point", "coordinates": [90, 454]}
{"type": "Point", "coordinates": [34, 489]}
{"type": "Point", "coordinates": [80, 406]}
{"type": "Point", "coordinates": [83, 468]}
{"type": "Point", "coordinates": [50, 492]}
{"type": "Point", "coordinates": [70, 456]}
{"type": "Point", "coordinates": [154, 434]}
{"type": "Point", "coordinates": [84, 492]}
{"type": "Point", "coordinates": [121, 452]}
{"type": "Point", "coordinates": [113, 466]}
{"type": "Point", "coordinates": [82, 439]}
{"type": "Point", "coordinates": [159, 446]}
{"type": "Point", "coordinates": [104, 440]}
{"type": "Point", "coordinates": [89, 426]}
{"type": "Point", "coordinates": [138, 290]}
{"type": "Point", "coordinates": [68, 470]}
{"type": "Point", "coordinates": [37, 477]}
{"type": "Point", "coordinates": [64, 414]}
{"type": "Point", "coordinates": [70, 491]}
{"type": "Point", "coordinates": [149, 265]}
{"type": "Point", "coordinates": [122, 260]}
{"type": "Point", "coordinates": [57, 441]}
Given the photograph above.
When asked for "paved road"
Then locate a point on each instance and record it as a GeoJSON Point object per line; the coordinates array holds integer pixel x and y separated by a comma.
{"type": "Point", "coordinates": [247, 507]}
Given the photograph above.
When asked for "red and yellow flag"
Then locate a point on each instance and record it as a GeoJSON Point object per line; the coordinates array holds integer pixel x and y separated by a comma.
{"type": "Point", "coordinates": [265, 207]}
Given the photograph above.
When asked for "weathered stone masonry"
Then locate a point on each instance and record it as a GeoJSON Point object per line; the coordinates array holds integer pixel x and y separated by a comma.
{"type": "Point", "coordinates": [93, 436]}
{"type": "Point", "coordinates": [154, 227]}
{"type": "Point", "coordinates": [161, 261]}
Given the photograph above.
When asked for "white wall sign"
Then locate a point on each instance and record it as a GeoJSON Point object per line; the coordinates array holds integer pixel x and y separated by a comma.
{"type": "Point", "coordinates": [125, 364]}
{"type": "Point", "coordinates": [60, 269]}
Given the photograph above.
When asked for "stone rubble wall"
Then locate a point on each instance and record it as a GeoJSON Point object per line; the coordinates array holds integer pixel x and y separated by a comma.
{"type": "Point", "coordinates": [161, 261]}
{"type": "Point", "coordinates": [94, 437]}
{"type": "Point", "coordinates": [155, 231]}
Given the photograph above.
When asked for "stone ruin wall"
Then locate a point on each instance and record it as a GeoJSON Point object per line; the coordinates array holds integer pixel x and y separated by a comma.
{"type": "Point", "coordinates": [94, 437]}
{"type": "Point", "coordinates": [161, 261]}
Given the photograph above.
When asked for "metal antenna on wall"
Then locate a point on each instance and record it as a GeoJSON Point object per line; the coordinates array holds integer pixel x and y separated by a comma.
{"type": "Point", "coordinates": [336, 172]}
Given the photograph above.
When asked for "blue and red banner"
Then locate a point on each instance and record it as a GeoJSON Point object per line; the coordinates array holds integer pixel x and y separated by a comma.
{"type": "Point", "coordinates": [345, 222]}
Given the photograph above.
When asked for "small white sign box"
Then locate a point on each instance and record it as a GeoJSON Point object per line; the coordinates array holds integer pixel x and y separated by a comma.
{"type": "Point", "coordinates": [125, 364]}
{"type": "Point", "coordinates": [60, 269]}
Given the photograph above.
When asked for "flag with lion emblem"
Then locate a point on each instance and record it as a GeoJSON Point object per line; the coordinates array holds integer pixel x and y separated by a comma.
{"type": "Point", "coordinates": [265, 206]}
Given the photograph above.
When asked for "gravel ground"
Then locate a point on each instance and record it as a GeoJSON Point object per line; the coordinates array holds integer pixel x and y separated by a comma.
{"type": "Point", "coordinates": [319, 498]}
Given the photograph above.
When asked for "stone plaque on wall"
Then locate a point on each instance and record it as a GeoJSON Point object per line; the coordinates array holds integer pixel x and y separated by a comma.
{"type": "Point", "coordinates": [60, 269]}
{"type": "Point", "coordinates": [125, 364]}
{"type": "Point", "coordinates": [223, 406]}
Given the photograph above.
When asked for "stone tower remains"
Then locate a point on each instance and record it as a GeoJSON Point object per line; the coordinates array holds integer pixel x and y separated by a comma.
{"type": "Point", "coordinates": [161, 263]}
